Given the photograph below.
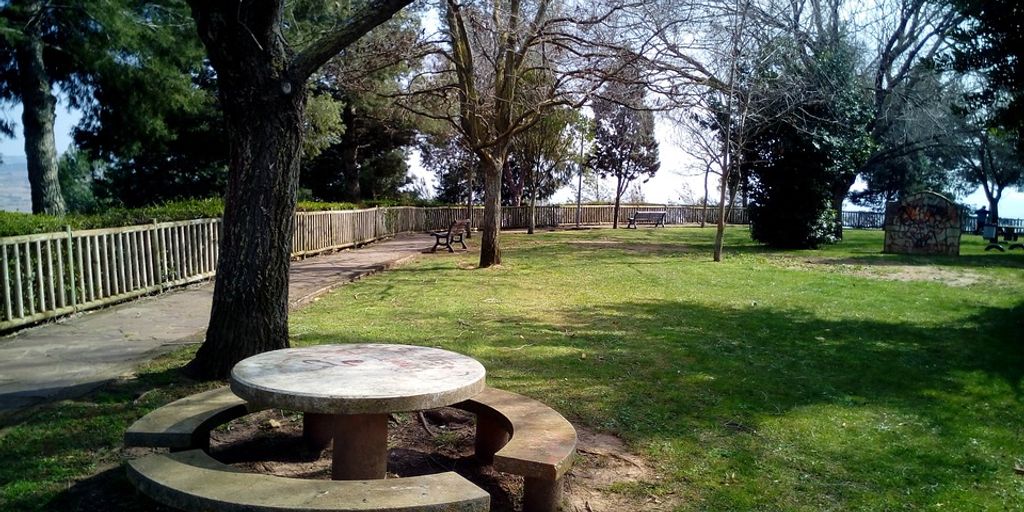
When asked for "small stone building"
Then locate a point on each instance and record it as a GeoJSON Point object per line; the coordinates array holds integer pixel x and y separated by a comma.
{"type": "Point", "coordinates": [923, 223]}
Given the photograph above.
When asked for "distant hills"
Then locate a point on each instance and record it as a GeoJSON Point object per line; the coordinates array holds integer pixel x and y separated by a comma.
{"type": "Point", "coordinates": [15, 194]}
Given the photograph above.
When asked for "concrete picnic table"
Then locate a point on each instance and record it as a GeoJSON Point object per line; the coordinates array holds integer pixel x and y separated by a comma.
{"type": "Point", "coordinates": [347, 392]}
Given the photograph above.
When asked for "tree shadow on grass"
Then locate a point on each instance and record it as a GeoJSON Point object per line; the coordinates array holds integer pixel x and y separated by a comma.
{"type": "Point", "coordinates": [106, 491]}
{"type": "Point", "coordinates": [749, 391]}
{"type": "Point", "coordinates": [52, 446]}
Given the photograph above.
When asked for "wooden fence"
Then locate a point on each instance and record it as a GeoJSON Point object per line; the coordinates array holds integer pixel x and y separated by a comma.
{"type": "Point", "coordinates": [53, 274]}
{"type": "Point", "coordinates": [48, 275]}
{"type": "Point", "coordinates": [876, 220]}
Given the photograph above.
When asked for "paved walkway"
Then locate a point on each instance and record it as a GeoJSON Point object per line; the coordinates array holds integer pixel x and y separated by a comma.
{"type": "Point", "coordinates": [74, 356]}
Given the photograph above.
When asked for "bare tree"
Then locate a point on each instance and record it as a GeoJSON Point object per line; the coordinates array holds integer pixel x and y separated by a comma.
{"type": "Point", "coordinates": [488, 52]}
{"type": "Point", "coordinates": [711, 49]}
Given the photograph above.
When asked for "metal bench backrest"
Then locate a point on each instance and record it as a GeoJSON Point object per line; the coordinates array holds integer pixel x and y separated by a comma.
{"type": "Point", "coordinates": [458, 227]}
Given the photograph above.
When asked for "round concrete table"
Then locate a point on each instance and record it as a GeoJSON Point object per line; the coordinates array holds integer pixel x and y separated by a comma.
{"type": "Point", "coordinates": [347, 392]}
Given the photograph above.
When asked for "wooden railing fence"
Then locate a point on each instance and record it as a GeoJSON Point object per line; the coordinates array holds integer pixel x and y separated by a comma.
{"type": "Point", "coordinates": [876, 220]}
{"type": "Point", "coordinates": [52, 274]}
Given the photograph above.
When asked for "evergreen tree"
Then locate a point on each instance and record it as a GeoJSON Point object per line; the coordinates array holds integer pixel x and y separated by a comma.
{"type": "Point", "coordinates": [991, 43]}
{"type": "Point", "coordinates": [790, 200]}
{"type": "Point", "coordinates": [624, 143]}
{"type": "Point", "coordinates": [263, 68]}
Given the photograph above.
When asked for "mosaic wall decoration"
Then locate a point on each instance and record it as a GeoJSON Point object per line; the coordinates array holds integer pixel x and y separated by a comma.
{"type": "Point", "coordinates": [923, 223]}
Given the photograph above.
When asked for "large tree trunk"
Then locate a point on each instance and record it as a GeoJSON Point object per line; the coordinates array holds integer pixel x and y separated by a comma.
{"type": "Point", "coordinates": [490, 249]}
{"type": "Point", "coordinates": [262, 88]}
{"type": "Point", "coordinates": [579, 196]}
{"type": "Point", "coordinates": [263, 110]}
{"type": "Point", "coordinates": [38, 114]}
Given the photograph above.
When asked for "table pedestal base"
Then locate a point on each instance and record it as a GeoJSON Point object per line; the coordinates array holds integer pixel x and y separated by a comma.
{"type": "Point", "coordinates": [317, 430]}
{"type": "Point", "coordinates": [360, 446]}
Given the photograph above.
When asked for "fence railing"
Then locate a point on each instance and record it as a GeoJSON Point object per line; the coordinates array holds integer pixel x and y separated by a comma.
{"type": "Point", "coordinates": [863, 220]}
{"type": "Point", "coordinates": [48, 275]}
{"type": "Point", "coordinates": [52, 274]}
{"type": "Point", "coordinates": [877, 220]}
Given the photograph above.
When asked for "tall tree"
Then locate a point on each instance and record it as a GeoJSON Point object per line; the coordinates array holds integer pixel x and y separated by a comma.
{"type": "Point", "coordinates": [362, 78]}
{"type": "Point", "coordinates": [987, 157]}
{"type": "Point", "coordinates": [898, 39]}
{"type": "Point", "coordinates": [38, 40]}
{"type": "Point", "coordinates": [990, 44]}
{"type": "Point", "coordinates": [624, 143]}
{"type": "Point", "coordinates": [262, 84]}
{"type": "Point", "coordinates": [542, 160]}
{"type": "Point", "coordinates": [489, 53]}
{"type": "Point", "coordinates": [152, 111]}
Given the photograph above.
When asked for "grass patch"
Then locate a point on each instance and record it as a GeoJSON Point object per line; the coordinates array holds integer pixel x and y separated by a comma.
{"type": "Point", "coordinates": [48, 456]}
{"type": "Point", "coordinates": [798, 380]}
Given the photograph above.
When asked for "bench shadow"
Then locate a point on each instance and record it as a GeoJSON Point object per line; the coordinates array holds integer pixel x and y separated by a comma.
{"type": "Point", "coordinates": [407, 462]}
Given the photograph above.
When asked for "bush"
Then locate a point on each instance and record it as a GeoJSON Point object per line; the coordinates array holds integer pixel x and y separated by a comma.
{"type": "Point", "coordinates": [316, 206]}
{"type": "Point", "coordinates": [13, 223]}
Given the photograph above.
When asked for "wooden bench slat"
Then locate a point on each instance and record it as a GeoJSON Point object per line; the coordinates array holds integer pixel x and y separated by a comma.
{"type": "Point", "coordinates": [186, 423]}
{"type": "Point", "coordinates": [195, 482]}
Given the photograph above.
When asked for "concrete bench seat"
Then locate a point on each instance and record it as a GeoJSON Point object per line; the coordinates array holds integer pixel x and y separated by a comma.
{"type": "Point", "coordinates": [522, 436]}
{"type": "Point", "coordinates": [185, 424]}
{"type": "Point", "coordinates": [193, 481]}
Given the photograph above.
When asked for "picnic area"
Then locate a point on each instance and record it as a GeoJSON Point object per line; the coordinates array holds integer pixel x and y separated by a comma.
{"type": "Point", "coordinates": [831, 379]}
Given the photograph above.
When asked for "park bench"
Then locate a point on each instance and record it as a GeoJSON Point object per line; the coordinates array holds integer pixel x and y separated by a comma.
{"type": "Point", "coordinates": [522, 436]}
{"type": "Point", "coordinates": [193, 481]}
{"type": "Point", "coordinates": [455, 233]}
{"type": "Point", "coordinates": [185, 424]}
{"type": "Point", "coordinates": [656, 218]}
{"type": "Point", "coordinates": [992, 233]}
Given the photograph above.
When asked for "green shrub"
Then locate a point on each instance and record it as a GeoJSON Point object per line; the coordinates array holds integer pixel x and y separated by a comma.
{"type": "Point", "coordinates": [315, 206]}
{"type": "Point", "coordinates": [13, 223]}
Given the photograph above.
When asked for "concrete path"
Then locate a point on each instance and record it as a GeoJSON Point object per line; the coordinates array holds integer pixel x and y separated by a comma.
{"type": "Point", "coordinates": [76, 355]}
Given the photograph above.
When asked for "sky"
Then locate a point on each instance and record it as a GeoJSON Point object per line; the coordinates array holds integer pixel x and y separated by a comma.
{"type": "Point", "coordinates": [674, 182]}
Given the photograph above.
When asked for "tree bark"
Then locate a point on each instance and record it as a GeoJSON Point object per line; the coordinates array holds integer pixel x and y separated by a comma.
{"type": "Point", "coordinates": [263, 111]}
{"type": "Point", "coordinates": [490, 248]}
{"type": "Point", "coordinates": [720, 231]}
{"type": "Point", "coordinates": [262, 89]}
{"type": "Point", "coordinates": [38, 114]}
{"type": "Point", "coordinates": [704, 207]}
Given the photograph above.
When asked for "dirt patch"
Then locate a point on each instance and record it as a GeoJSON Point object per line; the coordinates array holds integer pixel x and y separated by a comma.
{"type": "Point", "coordinates": [442, 440]}
{"type": "Point", "coordinates": [897, 272]}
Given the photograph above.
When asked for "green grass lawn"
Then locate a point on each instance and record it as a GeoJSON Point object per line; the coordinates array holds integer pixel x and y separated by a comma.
{"type": "Point", "coordinates": [798, 380]}
{"type": "Point", "coordinates": [793, 381]}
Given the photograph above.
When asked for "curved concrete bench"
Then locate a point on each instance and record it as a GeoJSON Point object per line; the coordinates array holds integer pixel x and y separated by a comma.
{"type": "Point", "coordinates": [522, 436]}
{"type": "Point", "coordinates": [185, 424]}
{"type": "Point", "coordinates": [194, 482]}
